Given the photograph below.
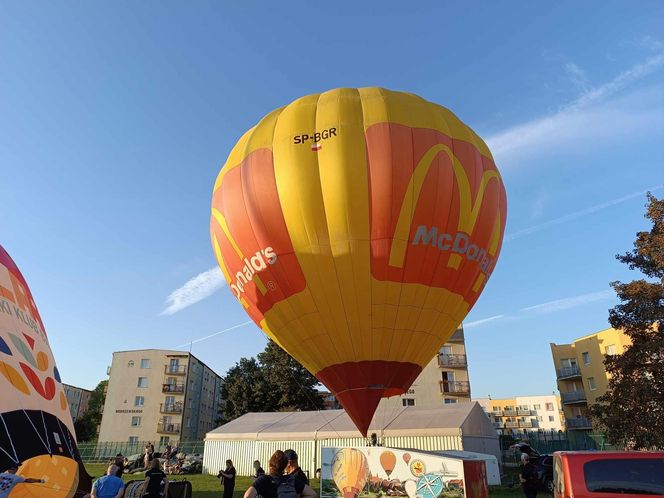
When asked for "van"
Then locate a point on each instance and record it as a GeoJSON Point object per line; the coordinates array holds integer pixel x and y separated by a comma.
{"type": "Point", "coordinates": [601, 474]}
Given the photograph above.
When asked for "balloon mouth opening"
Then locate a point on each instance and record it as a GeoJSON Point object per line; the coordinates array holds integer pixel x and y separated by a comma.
{"type": "Point", "coordinates": [359, 386]}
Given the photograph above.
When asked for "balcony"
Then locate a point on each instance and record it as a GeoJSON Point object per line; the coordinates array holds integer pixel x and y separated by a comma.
{"type": "Point", "coordinates": [578, 423]}
{"type": "Point", "coordinates": [172, 388]}
{"type": "Point", "coordinates": [509, 413]}
{"type": "Point", "coordinates": [525, 425]}
{"type": "Point", "coordinates": [523, 413]}
{"type": "Point", "coordinates": [511, 425]}
{"type": "Point", "coordinates": [452, 360]}
{"type": "Point", "coordinates": [498, 425]}
{"type": "Point", "coordinates": [457, 336]}
{"type": "Point", "coordinates": [456, 387]}
{"type": "Point", "coordinates": [573, 397]}
{"type": "Point", "coordinates": [170, 408]}
{"type": "Point", "coordinates": [175, 369]}
{"type": "Point", "coordinates": [163, 428]}
{"type": "Point", "coordinates": [568, 373]}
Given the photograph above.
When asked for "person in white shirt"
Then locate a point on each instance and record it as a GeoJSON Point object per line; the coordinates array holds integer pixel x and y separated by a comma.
{"type": "Point", "coordinates": [9, 479]}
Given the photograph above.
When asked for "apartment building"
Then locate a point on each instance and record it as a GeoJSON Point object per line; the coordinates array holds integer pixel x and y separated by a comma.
{"type": "Point", "coordinates": [78, 400]}
{"type": "Point", "coordinates": [581, 375]}
{"type": "Point", "coordinates": [524, 413]}
{"type": "Point", "coordinates": [160, 396]}
{"type": "Point", "coordinates": [444, 380]}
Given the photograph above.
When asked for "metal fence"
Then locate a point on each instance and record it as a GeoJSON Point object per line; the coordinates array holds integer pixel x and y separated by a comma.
{"type": "Point", "coordinates": [546, 442]}
{"type": "Point", "coordinates": [103, 452]}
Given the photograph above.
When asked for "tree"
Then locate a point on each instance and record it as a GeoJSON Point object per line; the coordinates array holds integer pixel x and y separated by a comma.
{"type": "Point", "coordinates": [272, 382]}
{"type": "Point", "coordinates": [86, 425]}
{"type": "Point", "coordinates": [632, 410]}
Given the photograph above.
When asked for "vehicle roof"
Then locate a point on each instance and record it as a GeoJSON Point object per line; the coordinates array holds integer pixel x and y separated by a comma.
{"type": "Point", "coordinates": [612, 454]}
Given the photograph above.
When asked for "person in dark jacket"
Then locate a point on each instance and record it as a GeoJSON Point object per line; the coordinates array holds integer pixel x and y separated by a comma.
{"type": "Point", "coordinates": [227, 477]}
{"type": "Point", "coordinates": [528, 477]}
{"type": "Point", "coordinates": [258, 470]}
{"type": "Point", "coordinates": [293, 468]}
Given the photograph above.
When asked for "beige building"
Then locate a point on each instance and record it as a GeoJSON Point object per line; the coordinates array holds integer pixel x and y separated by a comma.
{"type": "Point", "coordinates": [443, 381]}
{"type": "Point", "coordinates": [78, 400]}
{"type": "Point", "coordinates": [159, 396]}
{"type": "Point", "coordinates": [581, 375]}
{"type": "Point", "coordinates": [523, 414]}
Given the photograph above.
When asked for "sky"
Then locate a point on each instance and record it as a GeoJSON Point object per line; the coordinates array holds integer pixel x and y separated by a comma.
{"type": "Point", "coordinates": [115, 119]}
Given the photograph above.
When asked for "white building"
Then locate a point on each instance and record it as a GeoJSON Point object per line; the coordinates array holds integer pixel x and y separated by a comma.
{"type": "Point", "coordinates": [255, 436]}
{"type": "Point", "coordinates": [524, 413]}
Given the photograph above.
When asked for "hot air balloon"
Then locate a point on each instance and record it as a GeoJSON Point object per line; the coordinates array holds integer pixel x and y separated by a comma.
{"type": "Point", "coordinates": [406, 457]}
{"type": "Point", "coordinates": [37, 427]}
{"type": "Point", "coordinates": [388, 461]}
{"type": "Point", "coordinates": [357, 228]}
{"type": "Point", "coordinates": [350, 471]}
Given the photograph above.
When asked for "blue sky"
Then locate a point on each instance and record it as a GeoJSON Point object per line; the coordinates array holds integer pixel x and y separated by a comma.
{"type": "Point", "coordinates": [115, 119]}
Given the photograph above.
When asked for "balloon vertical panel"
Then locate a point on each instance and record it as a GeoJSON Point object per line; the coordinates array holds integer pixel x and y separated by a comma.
{"type": "Point", "coordinates": [36, 427]}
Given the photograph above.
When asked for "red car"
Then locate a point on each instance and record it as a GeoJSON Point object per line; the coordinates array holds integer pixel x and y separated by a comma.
{"type": "Point", "coordinates": [604, 474]}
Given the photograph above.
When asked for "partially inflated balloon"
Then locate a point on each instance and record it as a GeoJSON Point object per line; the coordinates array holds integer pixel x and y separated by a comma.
{"type": "Point", "coordinates": [350, 471]}
{"type": "Point", "coordinates": [357, 228]}
{"type": "Point", "coordinates": [37, 427]}
{"type": "Point", "coordinates": [388, 461]}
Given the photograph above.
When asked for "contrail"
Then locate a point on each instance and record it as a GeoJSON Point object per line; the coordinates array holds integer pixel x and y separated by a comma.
{"type": "Point", "coordinates": [215, 334]}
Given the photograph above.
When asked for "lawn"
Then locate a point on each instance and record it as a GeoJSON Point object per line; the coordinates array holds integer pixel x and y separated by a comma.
{"type": "Point", "coordinates": [205, 486]}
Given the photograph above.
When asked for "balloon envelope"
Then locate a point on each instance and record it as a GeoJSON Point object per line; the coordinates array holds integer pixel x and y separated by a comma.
{"type": "Point", "coordinates": [357, 228]}
{"type": "Point", "coordinates": [350, 471]}
{"type": "Point", "coordinates": [37, 427]}
{"type": "Point", "coordinates": [388, 461]}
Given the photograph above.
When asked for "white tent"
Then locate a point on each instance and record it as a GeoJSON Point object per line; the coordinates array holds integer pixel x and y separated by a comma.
{"type": "Point", "coordinates": [255, 436]}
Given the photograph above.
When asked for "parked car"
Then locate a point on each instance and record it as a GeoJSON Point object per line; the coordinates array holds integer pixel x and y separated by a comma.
{"type": "Point", "coordinates": [543, 463]}
{"type": "Point", "coordinates": [601, 474]}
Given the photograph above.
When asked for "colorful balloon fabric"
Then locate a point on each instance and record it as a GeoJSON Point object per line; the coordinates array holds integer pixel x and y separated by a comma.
{"type": "Point", "coordinates": [36, 427]}
{"type": "Point", "coordinates": [357, 227]}
{"type": "Point", "coordinates": [350, 471]}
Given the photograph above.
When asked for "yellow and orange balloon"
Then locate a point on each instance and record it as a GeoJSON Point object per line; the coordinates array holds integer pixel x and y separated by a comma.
{"type": "Point", "coordinates": [350, 471]}
{"type": "Point", "coordinates": [357, 227]}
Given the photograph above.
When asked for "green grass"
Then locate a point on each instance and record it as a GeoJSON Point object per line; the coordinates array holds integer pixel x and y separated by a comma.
{"type": "Point", "coordinates": [205, 486]}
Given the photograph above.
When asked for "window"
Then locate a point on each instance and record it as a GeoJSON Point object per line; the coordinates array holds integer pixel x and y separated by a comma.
{"type": "Point", "coordinates": [551, 418]}
{"type": "Point", "coordinates": [537, 407]}
{"type": "Point", "coordinates": [540, 418]}
{"type": "Point", "coordinates": [408, 402]}
{"type": "Point", "coordinates": [624, 475]}
{"type": "Point", "coordinates": [139, 401]}
{"type": "Point", "coordinates": [549, 407]}
{"type": "Point", "coordinates": [496, 408]}
{"type": "Point", "coordinates": [611, 349]}
{"type": "Point", "coordinates": [586, 357]}
{"type": "Point", "coordinates": [164, 440]}
{"type": "Point", "coordinates": [142, 382]}
{"type": "Point", "coordinates": [135, 421]}
{"type": "Point", "coordinates": [450, 401]}
{"type": "Point", "coordinates": [145, 363]}
{"type": "Point", "coordinates": [591, 383]}
{"type": "Point", "coordinates": [133, 439]}
{"type": "Point", "coordinates": [568, 362]}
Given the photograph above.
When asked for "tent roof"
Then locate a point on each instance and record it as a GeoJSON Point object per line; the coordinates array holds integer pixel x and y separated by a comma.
{"type": "Point", "coordinates": [466, 418]}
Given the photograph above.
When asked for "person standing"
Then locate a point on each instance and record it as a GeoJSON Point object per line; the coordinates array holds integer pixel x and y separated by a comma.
{"type": "Point", "coordinates": [258, 470]}
{"type": "Point", "coordinates": [153, 479]}
{"type": "Point", "coordinates": [293, 468]}
{"type": "Point", "coordinates": [119, 463]}
{"type": "Point", "coordinates": [108, 486]}
{"type": "Point", "coordinates": [227, 477]}
{"type": "Point", "coordinates": [276, 484]}
{"type": "Point", "coordinates": [528, 477]}
{"type": "Point", "coordinates": [9, 479]}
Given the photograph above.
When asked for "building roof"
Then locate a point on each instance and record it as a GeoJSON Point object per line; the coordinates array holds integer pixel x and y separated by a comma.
{"type": "Point", "coordinates": [455, 419]}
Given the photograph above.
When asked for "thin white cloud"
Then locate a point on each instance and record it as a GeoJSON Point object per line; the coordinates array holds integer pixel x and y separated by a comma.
{"type": "Point", "coordinates": [584, 118]}
{"type": "Point", "coordinates": [483, 320]}
{"type": "Point", "coordinates": [194, 290]}
{"type": "Point", "coordinates": [579, 214]}
{"type": "Point", "coordinates": [569, 302]}
{"type": "Point", "coordinates": [194, 341]}
{"type": "Point", "coordinates": [577, 76]}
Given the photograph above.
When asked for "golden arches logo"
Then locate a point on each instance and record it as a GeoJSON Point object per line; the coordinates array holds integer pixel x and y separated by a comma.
{"type": "Point", "coordinates": [468, 209]}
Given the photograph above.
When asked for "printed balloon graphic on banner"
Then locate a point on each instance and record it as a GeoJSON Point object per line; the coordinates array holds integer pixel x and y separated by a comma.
{"type": "Point", "coordinates": [36, 428]}
{"type": "Point", "coordinates": [350, 471]}
{"type": "Point", "coordinates": [357, 227]}
{"type": "Point", "coordinates": [388, 460]}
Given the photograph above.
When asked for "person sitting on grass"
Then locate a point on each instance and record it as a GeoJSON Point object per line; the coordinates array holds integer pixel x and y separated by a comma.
{"type": "Point", "coordinates": [9, 479]}
{"type": "Point", "coordinates": [108, 486]}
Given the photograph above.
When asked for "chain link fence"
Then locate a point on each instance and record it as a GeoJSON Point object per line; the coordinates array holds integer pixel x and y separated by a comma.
{"type": "Point", "coordinates": [103, 452]}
